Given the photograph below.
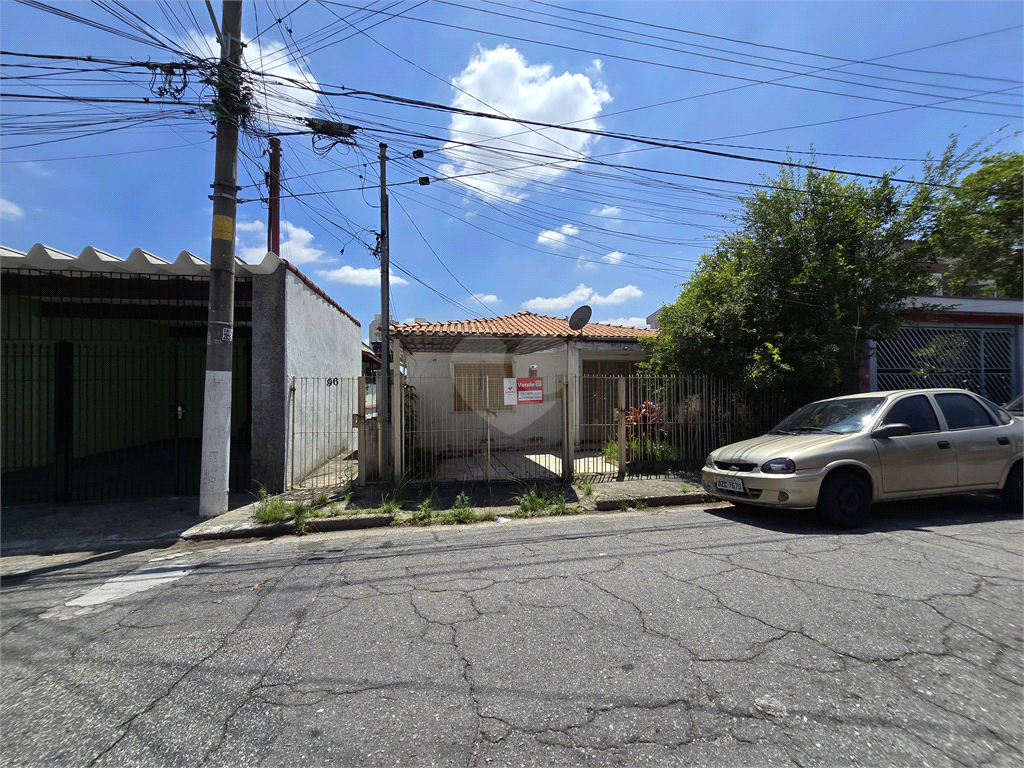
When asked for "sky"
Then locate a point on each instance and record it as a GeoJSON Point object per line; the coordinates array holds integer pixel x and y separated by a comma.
{"type": "Point", "coordinates": [517, 215]}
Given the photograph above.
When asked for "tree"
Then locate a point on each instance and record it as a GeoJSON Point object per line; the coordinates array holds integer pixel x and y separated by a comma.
{"type": "Point", "coordinates": [817, 267]}
{"type": "Point", "coordinates": [979, 227]}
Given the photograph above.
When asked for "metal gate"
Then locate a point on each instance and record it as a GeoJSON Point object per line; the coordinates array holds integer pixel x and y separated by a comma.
{"type": "Point", "coordinates": [324, 431]}
{"type": "Point", "coordinates": [981, 360]}
{"type": "Point", "coordinates": [102, 381]}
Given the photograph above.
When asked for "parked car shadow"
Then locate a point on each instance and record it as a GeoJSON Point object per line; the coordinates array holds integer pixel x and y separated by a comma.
{"type": "Point", "coordinates": [886, 516]}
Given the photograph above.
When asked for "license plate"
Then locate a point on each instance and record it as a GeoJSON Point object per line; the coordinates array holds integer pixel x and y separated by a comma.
{"type": "Point", "coordinates": [729, 484]}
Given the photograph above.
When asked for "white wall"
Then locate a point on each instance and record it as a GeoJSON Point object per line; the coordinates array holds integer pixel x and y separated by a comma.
{"type": "Point", "coordinates": [321, 344]}
{"type": "Point", "coordinates": [443, 428]}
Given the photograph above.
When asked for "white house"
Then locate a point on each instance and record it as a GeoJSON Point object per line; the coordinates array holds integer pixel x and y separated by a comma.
{"type": "Point", "coordinates": [502, 379]}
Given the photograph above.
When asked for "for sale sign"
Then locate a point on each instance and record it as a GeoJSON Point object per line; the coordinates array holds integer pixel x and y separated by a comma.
{"type": "Point", "coordinates": [530, 390]}
{"type": "Point", "coordinates": [524, 391]}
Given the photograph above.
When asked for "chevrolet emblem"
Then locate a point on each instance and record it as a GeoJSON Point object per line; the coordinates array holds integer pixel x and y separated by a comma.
{"type": "Point", "coordinates": [734, 469]}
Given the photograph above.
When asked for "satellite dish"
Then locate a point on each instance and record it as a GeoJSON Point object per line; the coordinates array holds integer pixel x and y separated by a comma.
{"type": "Point", "coordinates": [580, 318]}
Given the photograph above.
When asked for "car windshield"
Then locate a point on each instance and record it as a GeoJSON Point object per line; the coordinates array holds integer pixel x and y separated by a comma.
{"type": "Point", "coordinates": [838, 417]}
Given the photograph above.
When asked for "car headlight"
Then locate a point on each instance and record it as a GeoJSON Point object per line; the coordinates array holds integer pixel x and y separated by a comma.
{"type": "Point", "coordinates": [709, 462]}
{"type": "Point", "coordinates": [779, 467]}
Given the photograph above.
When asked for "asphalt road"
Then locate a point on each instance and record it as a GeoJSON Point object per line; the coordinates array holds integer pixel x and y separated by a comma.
{"type": "Point", "coordinates": [686, 636]}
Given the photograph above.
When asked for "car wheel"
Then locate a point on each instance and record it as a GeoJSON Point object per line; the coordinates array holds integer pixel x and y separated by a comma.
{"type": "Point", "coordinates": [844, 501]}
{"type": "Point", "coordinates": [1012, 493]}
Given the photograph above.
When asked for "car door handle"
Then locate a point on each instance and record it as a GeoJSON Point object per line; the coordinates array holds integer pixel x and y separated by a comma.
{"type": "Point", "coordinates": [1003, 440]}
{"type": "Point", "coordinates": [944, 444]}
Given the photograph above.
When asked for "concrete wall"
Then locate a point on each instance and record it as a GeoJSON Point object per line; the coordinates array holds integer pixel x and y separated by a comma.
{"type": "Point", "coordinates": [269, 393]}
{"type": "Point", "coordinates": [322, 344]}
{"type": "Point", "coordinates": [298, 332]}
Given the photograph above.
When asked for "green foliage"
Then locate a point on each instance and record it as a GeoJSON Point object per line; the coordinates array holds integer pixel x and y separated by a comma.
{"type": "Point", "coordinates": [320, 500]}
{"type": "Point", "coordinates": [272, 511]}
{"type": "Point", "coordinates": [610, 452]}
{"type": "Point", "coordinates": [390, 507]}
{"type": "Point", "coordinates": [423, 515]}
{"type": "Point", "coordinates": [979, 227]}
{"type": "Point", "coordinates": [817, 266]}
{"type": "Point", "coordinates": [586, 487]}
{"type": "Point", "coordinates": [300, 513]}
{"type": "Point", "coordinates": [534, 503]}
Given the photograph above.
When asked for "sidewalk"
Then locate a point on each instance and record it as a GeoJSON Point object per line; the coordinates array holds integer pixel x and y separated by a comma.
{"type": "Point", "coordinates": [143, 523]}
{"type": "Point", "coordinates": [496, 498]}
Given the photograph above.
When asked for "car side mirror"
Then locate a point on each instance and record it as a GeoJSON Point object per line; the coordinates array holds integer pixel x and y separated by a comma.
{"type": "Point", "coordinates": [892, 430]}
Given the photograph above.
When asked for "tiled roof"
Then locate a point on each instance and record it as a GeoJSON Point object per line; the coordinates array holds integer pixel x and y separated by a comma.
{"type": "Point", "coordinates": [521, 324]}
{"type": "Point", "coordinates": [46, 259]}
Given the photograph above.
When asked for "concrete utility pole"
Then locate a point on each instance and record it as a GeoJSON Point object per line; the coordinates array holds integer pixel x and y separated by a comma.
{"type": "Point", "coordinates": [383, 412]}
{"type": "Point", "coordinates": [216, 461]}
{"type": "Point", "coordinates": [274, 194]}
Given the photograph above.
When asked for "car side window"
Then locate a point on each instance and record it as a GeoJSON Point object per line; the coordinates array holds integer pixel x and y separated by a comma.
{"type": "Point", "coordinates": [963, 411]}
{"type": "Point", "coordinates": [915, 411]}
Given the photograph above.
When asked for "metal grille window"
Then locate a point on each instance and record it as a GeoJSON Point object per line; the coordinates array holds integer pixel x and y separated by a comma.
{"type": "Point", "coordinates": [480, 386]}
{"type": "Point", "coordinates": [980, 360]}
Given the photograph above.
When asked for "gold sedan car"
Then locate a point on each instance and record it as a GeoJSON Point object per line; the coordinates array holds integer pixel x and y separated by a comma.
{"type": "Point", "coordinates": [839, 456]}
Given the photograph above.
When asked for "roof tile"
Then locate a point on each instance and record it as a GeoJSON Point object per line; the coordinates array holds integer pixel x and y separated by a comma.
{"type": "Point", "coordinates": [520, 324]}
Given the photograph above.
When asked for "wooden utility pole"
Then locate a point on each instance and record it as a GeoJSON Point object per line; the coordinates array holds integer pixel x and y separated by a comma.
{"type": "Point", "coordinates": [216, 459]}
{"type": "Point", "coordinates": [383, 388]}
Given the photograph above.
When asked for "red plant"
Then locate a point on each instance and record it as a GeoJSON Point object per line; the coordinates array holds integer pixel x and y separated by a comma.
{"type": "Point", "coordinates": [647, 422]}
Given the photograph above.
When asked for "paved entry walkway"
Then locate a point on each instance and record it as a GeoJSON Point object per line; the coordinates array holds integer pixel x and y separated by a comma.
{"type": "Point", "coordinates": [506, 465]}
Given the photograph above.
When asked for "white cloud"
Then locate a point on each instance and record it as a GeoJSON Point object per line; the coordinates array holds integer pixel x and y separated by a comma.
{"type": "Point", "coordinates": [581, 294]}
{"type": "Point", "coordinates": [37, 169]}
{"type": "Point", "coordinates": [296, 243]}
{"type": "Point", "coordinates": [629, 322]}
{"type": "Point", "coordinates": [507, 84]}
{"type": "Point", "coordinates": [556, 238]}
{"type": "Point", "coordinates": [584, 263]}
{"type": "Point", "coordinates": [281, 102]}
{"type": "Point", "coordinates": [614, 257]}
{"type": "Point", "coordinates": [610, 211]}
{"type": "Point", "coordinates": [618, 296]}
{"type": "Point", "coordinates": [359, 276]}
{"type": "Point", "coordinates": [9, 211]}
{"type": "Point", "coordinates": [598, 65]}
{"type": "Point", "coordinates": [251, 226]}
{"type": "Point", "coordinates": [486, 298]}
{"type": "Point", "coordinates": [576, 296]}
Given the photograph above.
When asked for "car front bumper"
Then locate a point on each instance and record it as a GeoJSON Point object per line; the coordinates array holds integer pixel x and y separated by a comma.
{"type": "Point", "coordinates": [794, 491]}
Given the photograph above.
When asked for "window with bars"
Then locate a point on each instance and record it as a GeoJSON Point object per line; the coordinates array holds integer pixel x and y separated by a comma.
{"type": "Point", "coordinates": [480, 386]}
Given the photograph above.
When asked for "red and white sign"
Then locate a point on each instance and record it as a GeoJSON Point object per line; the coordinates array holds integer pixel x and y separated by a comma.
{"type": "Point", "coordinates": [524, 391]}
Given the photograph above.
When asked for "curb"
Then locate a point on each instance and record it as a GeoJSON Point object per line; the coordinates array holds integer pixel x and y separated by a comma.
{"type": "Point", "coordinates": [608, 505]}
{"type": "Point", "coordinates": [250, 528]}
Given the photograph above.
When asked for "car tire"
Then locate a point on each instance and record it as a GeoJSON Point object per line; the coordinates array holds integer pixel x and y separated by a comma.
{"type": "Point", "coordinates": [1012, 492]}
{"type": "Point", "coordinates": [844, 501]}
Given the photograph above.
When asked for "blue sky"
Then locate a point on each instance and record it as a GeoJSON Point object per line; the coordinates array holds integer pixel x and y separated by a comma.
{"type": "Point", "coordinates": [515, 217]}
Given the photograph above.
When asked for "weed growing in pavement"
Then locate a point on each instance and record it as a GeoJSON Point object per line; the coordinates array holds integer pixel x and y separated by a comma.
{"type": "Point", "coordinates": [320, 500]}
{"type": "Point", "coordinates": [586, 487]}
{"type": "Point", "coordinates": [390, 507]}
{"type": "Point", "coordinates": [270, 509]}
{"type": "Point", "coordinates": [301, 514]}
{"type": "Point", "coordinates": [423, 515]}
{"type": "Point", "coordinates": [561, 507]}
{"type": "Point", "coordinates": [533, 504]}
{"type": "Point", "coordinates": [627, 504]}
